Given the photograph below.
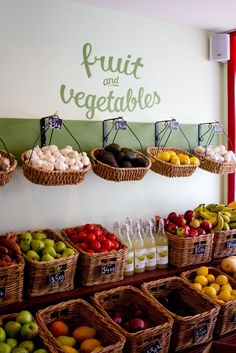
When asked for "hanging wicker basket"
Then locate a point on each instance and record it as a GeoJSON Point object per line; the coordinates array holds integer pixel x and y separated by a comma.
{"type": "Point", "coordinates": [213, 166]}
{"type": "Point", "coordinates": [6, 176]}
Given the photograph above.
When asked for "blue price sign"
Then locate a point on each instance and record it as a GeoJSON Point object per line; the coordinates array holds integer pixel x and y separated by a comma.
{"type": "Point", "coordinates": [108, 269]}
{"type": "Point", "coordinates": [155, 348]}
{"type": "Point", "coordinates": [54, 122]}
{"type": "Point", "coordinates": [231, 244]}
{"type": "Point", "coordinates": [218, 129]}
{"type": "Point", "coordinates": [199, 249]}
{"type": "Point", "coordinates": [57, 278]}
{"type": "Point", "coordinates": [173, 125]}
{"type": "Point", "coordinates": [199, 332]}
{"type": "Point", "coordinates": [2, 292]}
{"type": "Point", "coordinates": [120, 125]}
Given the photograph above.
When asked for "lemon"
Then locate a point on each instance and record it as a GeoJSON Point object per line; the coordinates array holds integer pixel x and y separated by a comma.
{"type": "Point", "coordinates": [232, 297]}
{"type": "Point", "coordinates": [216, 286]}
{"type": "Point", "coordinates": [203, 270]}
{"type": "Point", "coordinates": [220, 301]}
{"type": "Point", "coordinates": [172, 153]}
{"type": "Point", "coordinates": [194, 160]}
{"type": "Point", "coordinates": [174, 160]}
{"type": "Point", "coordinates": [165, 156]}
{"type": "Point", "coordinates": [234, 292]}
{"type": "Point", "coordinates": [211, 278]}
{"type": "Point", "coordinates": [197, 286]}
{"type": "Point", "coordinates": [221, 280]}
{"type": "Point", "coordinates": [210, 291]}
{"type": "Point", "coordinates": [227, 286]}
{"type": "Point", "coordinates": [184, 159]}
{"type": "Point", "coordinates": [201, 279]}
{"type": "Point", "coordinates": [225, 295]}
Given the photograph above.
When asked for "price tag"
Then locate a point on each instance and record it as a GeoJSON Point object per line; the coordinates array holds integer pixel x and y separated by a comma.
{"type": "Point", "coordinates": [2, 292]}
{"type": "Point", "coordinates": [231, 244]}
{"type": "Point", "coordinates": [108, 269]}
{"type": "Point", "coordinates": [234, 318]}
{"type": "Point", "coordinates": [199, 249]}
{"type": "Point", "coordinates": [199, 332]}
{"type": "Point", "coordinates": [173, 125]}
{"type": "Point", "coordinates": [120, 125]}
{"type": "Point", "coordinates": [54, 122]}
{"type": "Point", "coordinates": [57, 278]}
{"type": "Point", "coordinates": [155, 348]}
{"type": "Point", "coordinates": [218, 129]}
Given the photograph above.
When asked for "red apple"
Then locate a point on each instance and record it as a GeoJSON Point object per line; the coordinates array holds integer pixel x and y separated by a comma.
{"type": "Point", "coordinates": [172, 216]}
{"type": "Point", "coordinates": [166, 221]}
{"type": "Point", "coordinates": [180, 220]}
{"type": "Point", "coordinates": [183, 231]}
{"type": "Point", "coordinates": [201, 231]}
{"type": "Point", "coordinates": [206, 225]}
{"type": "Point", "coordinates": [189, 215]}
{"type": "Point", "coordinates": [193, 232]}
{"type": "Point", "coordinates": [172, 228]}
{"type": "Point", "coordinates": [195, 223]}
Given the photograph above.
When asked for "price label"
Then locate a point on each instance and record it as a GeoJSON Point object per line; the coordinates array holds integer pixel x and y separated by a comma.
{"type": "Point", "coordinates": [155, 348]}
{"type": "Point", "coordinates": [199, 332]}
{"type": "Point", "coordinates": [120, 125]}
{"type": "Point", "coordinates": [57, 278]}
{"type": "Point", "coordinates": [231, 244]}
{"type": "Point", "coordinates": [218, 129]}
{"type": "Point", "coordinates": [54, 122]}
{"type": "Point", "coordinates": [2, 292]}
{"type": "Point", "coordinates": [108, 269]}
{"type": "Point", "coordinates": [199, 249]}
{"type": "Point", "coordinates": [173, 125]}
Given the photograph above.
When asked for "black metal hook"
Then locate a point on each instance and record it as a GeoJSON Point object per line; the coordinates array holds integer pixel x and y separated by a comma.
{"type": "Point", "coordinates": [211, 132]}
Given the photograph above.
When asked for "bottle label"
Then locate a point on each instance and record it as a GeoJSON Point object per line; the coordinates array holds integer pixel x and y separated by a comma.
{"type": "Point", "coordinates": [162, 255]}
{"type": "Point", "coordinates": [129, 262]}
{"type": "Point", "coordinates": [151, 258]}
{"type": "Point", "coordinates": [139, 261]}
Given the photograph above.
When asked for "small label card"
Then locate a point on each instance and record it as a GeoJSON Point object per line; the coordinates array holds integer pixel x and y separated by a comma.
{"type": "Point", "coordinates": [120, 124]}
{"type": "Point", "coordinates": [218, 129]}
{"type": "Point", "coordinates": [108, 269]}
{"type": "Point", "coordinates": [54, 122]}
{"type": "Point", "coordinates": [200, 331]}
{"type": "Point", "coordinates": [154, 348]}
{"type": "Point", "coordinates": [173, 125]}
{"type": "Point", "coordinates": [2, 292]}
{"type": "Point", "coordinates": [57, 278]}
{"type": "Point", "coordinates": [231, 244]}
{"type": "Point", "coordinates": [199, 249]}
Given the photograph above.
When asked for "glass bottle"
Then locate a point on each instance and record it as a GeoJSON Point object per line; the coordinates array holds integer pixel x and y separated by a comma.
{"type": "Point", "coordinates": [139, 250]}
{"type": "Point", "coordinates": [129, 258]}
{"type": "Point", "coordinates": [162, 246]}
{"type": "Point", "coordinates": [150, 247]}
{"type": "Point", "coordinates": [117, 230]}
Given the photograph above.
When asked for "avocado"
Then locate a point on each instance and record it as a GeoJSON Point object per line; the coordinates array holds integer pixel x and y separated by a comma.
{"type": "Point", "coordinates": [140, 162]}
{"type": "Point", "coordinates": [113, 147]}
{"type": "Point", "coordinates": [125, 150]}
{"type": "Point", "coordinates": [125, 164]}
{"type": "Point", "coordinates": [108, 158]}
{"type": "Point", "coordinates": [120, 156]}
{"type": "Point", "coordinates": [131, 155]}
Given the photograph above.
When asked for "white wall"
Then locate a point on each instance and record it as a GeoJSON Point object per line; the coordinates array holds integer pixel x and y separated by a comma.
{"type": "Point", "coordinates": [41, 48]}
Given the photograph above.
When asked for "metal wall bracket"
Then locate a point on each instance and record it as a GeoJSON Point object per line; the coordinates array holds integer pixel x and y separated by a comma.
{"type": "Point", "coordinates": [118, 123]}
{"type": "Point", "coordinates": [213, 128]}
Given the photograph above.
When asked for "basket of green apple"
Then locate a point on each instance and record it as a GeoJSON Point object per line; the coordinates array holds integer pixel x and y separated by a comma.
{"type": "Point", "coordinates": [50, 262]}
{"type": "Point", "coordinates": [20, 333]}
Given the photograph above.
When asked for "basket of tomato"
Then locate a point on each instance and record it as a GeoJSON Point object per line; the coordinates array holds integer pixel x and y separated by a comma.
{"type": "Point", "coordinates": [102, 254]}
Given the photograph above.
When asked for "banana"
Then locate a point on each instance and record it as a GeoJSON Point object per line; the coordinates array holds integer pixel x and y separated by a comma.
{"type": "Point", "coordinates": [199, 207]}
{"type": "Point", "coordinates": [233, 219]}
{"type": "Point", "coordinates": [228, 209]}
{"type": "Point", "coordinates": [225, 217]}
{"type": "Point", "coordinates": [208, 215]}
{"type": "Point", "coordinates": [220, 223]}
{"type": "Point", "coordinates": [232, 225]}
{"type": "Point", "coordinates": [226, 226]}
{"type": "Point", "coordinates": [226, 213]}
{"type": "Point", "coordinates": [211, 206]}
{"type": "Point", "coordinates": [218, 208]}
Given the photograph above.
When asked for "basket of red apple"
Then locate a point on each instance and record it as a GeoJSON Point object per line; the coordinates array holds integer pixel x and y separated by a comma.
{"type": "Point", "coordinates": [190, 239]}
{"type": "Point", "coordinates": [20, 333]}
{"type": "Point", "coordinates": [144, 323]}
{"type": "Point", "coordinates": [102, 254]}
{"type": "Point", "coordinates": [50, 262]}
{"type": "Point", "coordinates": [75, 326]}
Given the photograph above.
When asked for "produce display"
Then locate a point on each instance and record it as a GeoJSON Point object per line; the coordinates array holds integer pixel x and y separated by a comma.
{"type": "Point", "coordinates": [121, 157]}
{"type": "Point", "coordinates": [8, 249]}
{"type": "Point", "coordinates": [228, 265]}
{"type": "Point", "coordinates": [5, 163]}
{"type": "Point", "coordinates": [217, 154]}
{"type": "Point", "coordinates": [172, 157]}
{"type": "Point", "coordinates": [51, 158]}
{"type": "Point", "coordinates": [93, 238]}
{"type": "Point", "coordinates": [81, 339]}
{"type": "Point", "coordinates": [39, 247]}
{"type": "Point", "coordinates": [18, 334]}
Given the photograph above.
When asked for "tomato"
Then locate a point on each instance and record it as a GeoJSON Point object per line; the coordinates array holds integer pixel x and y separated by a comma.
{"type": "Point", "coordinates": [111, 236]}
{"type": "Point", "coordinates": [69, 231]}
{"type": "Point", "coordinates": [81, 235]}
{"type": "Point", "coordinates": [90, 251]}
{"type": "Point", "coordinates": [101, 237]}
{"type": "Point", "coordinates": [115, 244]}
{"type": "Point", "coordinates": [103, 250]}
{"type": "Point", "coordinates": [107, 244]}
{"type": "Point", "coordinates": [74, 238]}
{"type": "Point", "coordinates": [84, 246]}
{"type": "Point", "coordinates": [104, 232]}
{"type": "Point", "coordinates": [90, 237]}
{"type": "Point", "coordinates": [97, 231]}
{"type": "Point", "coordinates": [89, 227]}
{"type": "Point", "coordinates": [95, 245]}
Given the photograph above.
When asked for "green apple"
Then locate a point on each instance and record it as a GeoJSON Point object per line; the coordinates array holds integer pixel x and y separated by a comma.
{"type": "Point", "coordinates": [24, 317]}
{"type": "Point", "coordinates": [41, 350]}
{"type": "Point", "coordinates": [47, 257]}
{"type": "Point", "coordinates": [25, 246]}
{"type": "Point", "coordinates": [29, 331]}
{"type": "Point", "coordinates": [50, 250]}
{"type": "Point", "coordinates": [28, 345]}
{"type": "Point", "coordinates": [68, 252]}
{"type": "Point", "coordinates": [12, 328]}
{"type": "Point", "coordinates": [49, 242]}
{"type": "Point", "coordinates": [2, 334]}
{"type": "Point", "coordinates": [26, 237]}
{"type": "Point", "coordinates": [33, 255]}
{"type": "Point", "coordinates": [19, 350]}
{"type": "Point", "coordinates": [39, 236]}
{"type": "Point", "coordinates": [4, 348]}
{"type": "Point", "coordinates": [11, 342]}
{"type": "Point", "coordinates": [37, 245]}
{"type": "Point", "coordinates": [60, 246]}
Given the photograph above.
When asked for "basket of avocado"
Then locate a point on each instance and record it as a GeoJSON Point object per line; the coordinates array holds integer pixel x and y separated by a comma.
{"type": "Point", "coordinates": [116, 163]}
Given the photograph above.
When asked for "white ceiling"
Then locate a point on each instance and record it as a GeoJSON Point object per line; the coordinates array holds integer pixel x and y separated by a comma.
{"type": "Point", "coordinates": [210, 15]}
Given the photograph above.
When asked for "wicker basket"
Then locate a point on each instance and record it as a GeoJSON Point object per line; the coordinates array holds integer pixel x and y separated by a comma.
{"type": "Point", "coordinates": [99, 268]}
{"type": "Point", "coordinates": [154, 339]}
{"type": "Point", "coordinates": [168, 169]}
{"type": "Point", "coordinates": [52, 178]}
{"type": "Point", "coordinates": [11, 282]}
{"type": "Point", "coordinates": [187, 330]}
{"type": "Point", "coordinates": [189, 251]}
{"type": "Point", "coordinates": [107, 172]}
{"type": "Point", "coordinates": [224, 244]}
{"type": "Point", "coordinates": [215, 167]}
{"type": "Point", "coordinates": [226, 321]}
{"type": "Point", "coordinates": [77, 313]}
{"type": "Point", "coordinates": [47, 277]}
{"type": "Point", "coordinates": [6, 176]}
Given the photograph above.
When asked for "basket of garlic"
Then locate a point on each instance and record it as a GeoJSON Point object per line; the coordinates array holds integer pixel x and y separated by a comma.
{"type": "Point", "coordinates": [8, 164]}
{"type": "Point", "coordinates": [216, 159]}
{"type": "Point", "coordinates": [52, 166]}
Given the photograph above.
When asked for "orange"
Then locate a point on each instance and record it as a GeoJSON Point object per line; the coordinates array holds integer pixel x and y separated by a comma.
{"type": "Point", "coordinates": [221, 280]}
{"type": "Point", "coordinates": [89, 345]}
{"type": "Point", "coordinates": [83, 333]}
{"type": "Point", "coordinates": [201, 279]}
{"type": "Point", "coordinates": [69, 349]}
{"type": "Point", "coordinates": [59, 328]}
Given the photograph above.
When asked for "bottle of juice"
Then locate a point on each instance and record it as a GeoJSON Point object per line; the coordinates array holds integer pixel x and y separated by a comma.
{"type": "Point", "coordinates": [129, 258]}
{"type": "Point", "coordinates": [162, 246]}
{"type": "Point", "coordinates": [139, 250]}
{"type": "Point", "coordinates": [117, 229]}
{"type": "Point", "coordinates": [150, 247]}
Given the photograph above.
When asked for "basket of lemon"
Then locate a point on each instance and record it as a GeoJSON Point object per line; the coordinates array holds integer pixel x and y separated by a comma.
{"type": "Point", "coordinates": [172, 162]}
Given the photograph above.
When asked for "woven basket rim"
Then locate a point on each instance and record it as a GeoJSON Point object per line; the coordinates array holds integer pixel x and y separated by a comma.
{"type": "Point", "coordinates": [13, 162]}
